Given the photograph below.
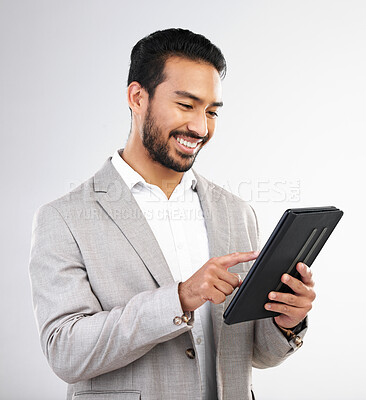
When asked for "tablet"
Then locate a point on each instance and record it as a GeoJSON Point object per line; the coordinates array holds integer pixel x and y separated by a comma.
{"type": "Point", "coordinates": [298, 237]}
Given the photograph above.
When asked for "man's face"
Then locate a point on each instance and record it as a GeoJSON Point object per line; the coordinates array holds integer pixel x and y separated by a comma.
{"type": "Point", "coordinates": [181, 117]}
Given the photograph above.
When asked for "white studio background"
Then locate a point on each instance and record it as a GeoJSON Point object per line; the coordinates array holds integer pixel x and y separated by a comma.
{"type": "Point", "coordinates": [290, 135]}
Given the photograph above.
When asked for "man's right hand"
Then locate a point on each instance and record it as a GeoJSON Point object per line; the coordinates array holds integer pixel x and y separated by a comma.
{"type": "Point", "coordinates": [212, 282]}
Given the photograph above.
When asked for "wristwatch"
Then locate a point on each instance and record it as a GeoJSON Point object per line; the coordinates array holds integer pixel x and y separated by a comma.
{"type": "Point", "coordinates": [292, 334]}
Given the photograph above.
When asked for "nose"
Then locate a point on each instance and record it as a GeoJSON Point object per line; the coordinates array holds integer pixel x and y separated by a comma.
{"type": "Point", "coordinates": [198, 124]}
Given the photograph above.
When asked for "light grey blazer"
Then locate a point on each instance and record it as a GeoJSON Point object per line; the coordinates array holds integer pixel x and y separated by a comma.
{"type": "Point", "coordinates": [105, 299]}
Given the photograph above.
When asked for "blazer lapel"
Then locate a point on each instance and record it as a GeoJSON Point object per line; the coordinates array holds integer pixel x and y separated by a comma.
{"type": "Point", "coordinates": [215, 212]}
{"type": "Point", "coordinates": [116, 199]}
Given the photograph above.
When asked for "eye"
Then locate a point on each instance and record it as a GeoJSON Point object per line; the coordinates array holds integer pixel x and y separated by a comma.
{"type": "Point", "coordinates": [213, 114]}
{"type": "Point", "coordinates": [186, 106]}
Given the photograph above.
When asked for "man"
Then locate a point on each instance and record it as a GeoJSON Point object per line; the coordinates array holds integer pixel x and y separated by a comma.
{"type": "Point", "coordinates": [130, 271]}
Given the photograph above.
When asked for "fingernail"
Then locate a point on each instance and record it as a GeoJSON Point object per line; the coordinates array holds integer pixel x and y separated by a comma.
{"type": "Point", "coordinates": [286, 278]}
{"type": "Point", "coordinates": [268, 306]}
{"type": "Point", "coordinates": [256, 253]}
{"type": "Point", "coordinates": [272, 296]}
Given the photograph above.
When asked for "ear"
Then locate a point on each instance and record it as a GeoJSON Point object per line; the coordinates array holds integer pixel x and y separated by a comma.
{"type": "Point", "coordinates": [137, 98]}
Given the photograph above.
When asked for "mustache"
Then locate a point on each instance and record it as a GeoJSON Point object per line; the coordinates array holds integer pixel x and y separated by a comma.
{"type": "Point", "coordinates": [190, 135]}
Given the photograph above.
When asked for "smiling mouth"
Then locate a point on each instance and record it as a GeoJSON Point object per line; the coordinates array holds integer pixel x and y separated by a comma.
{"type": "Point", "coordinates": [188, 142]}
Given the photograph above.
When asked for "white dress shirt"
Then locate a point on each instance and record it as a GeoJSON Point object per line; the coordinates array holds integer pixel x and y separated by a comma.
{"type": "Point", "coordinates": [179, 228]}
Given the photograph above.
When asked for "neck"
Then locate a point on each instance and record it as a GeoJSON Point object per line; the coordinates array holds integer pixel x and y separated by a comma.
{"type": "Point", "coordinates": [138, 158]}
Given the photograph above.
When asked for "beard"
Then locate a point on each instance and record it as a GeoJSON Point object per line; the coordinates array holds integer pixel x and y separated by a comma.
{"type": "Point", "coordinates": [158, 148]}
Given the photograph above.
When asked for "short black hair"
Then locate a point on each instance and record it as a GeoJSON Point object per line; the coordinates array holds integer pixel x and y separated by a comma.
{"type": "Point", "coordinates": [149, 55]}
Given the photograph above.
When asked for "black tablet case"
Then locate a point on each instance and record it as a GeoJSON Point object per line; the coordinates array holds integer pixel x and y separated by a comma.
{"type": "Point", "coordinates": [298, 237]}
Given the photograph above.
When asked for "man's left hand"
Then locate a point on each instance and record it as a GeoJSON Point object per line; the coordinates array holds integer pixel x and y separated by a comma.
{"type": "Point", "coordinates": [293, 308]}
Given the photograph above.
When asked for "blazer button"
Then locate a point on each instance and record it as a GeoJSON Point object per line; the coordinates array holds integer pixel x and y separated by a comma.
{"type": "Point", "coordinates": [190, 354]}
{"type": "Point", "coordinates": [177, 320]}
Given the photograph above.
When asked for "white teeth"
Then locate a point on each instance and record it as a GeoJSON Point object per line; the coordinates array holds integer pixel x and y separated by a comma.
{"type": "Point", "coordinates": [187, 144]}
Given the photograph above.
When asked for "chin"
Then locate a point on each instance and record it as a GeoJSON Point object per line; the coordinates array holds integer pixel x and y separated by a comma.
{"type": "Point", "coordinates": [184, 163]}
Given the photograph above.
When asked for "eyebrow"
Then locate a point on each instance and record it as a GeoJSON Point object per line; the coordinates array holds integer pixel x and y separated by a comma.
{"type": "Point", "coordinates": [191, 96]}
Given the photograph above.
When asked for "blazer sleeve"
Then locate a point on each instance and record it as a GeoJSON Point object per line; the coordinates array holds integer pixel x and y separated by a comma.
{"type": "Point", "coordinates": [271, 347]}
{"type": "Point", "coordinates": [80, 339]}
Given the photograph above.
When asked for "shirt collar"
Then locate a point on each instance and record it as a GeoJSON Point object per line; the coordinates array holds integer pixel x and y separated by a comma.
{"type": "Point", "coordinates": [128, 174]}
{"type": "Point", "coordinates": [132, 178]}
